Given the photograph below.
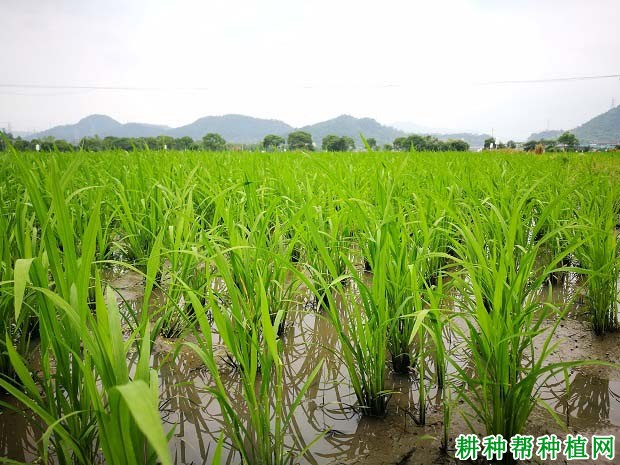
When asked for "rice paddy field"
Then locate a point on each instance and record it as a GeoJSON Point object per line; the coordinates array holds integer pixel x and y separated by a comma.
{"type": "Point", "coordinates": [284, 308]}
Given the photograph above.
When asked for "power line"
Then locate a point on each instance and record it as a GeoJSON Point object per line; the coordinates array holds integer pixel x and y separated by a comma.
{"type": "Point", "coordinates": [562, 79]}
{"type": "Point", "coordinates": [96, 87]}
{"type": "Point", "coordinates": [306, 86]}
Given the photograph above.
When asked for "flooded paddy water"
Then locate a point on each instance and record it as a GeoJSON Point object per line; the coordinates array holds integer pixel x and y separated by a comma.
{"type": "Point", "coordinates": [590, 406]}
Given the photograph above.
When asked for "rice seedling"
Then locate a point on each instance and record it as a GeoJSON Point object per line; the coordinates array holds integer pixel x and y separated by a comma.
{"type": "Point", "coordinates": [260, 435]}
{"type": "Point", "coordinates": [140, 213]}
{"type": "Point", "coordinates": [66, 396]}
{"type": "Point", "coordinates": [401, 254]}
{"type": "Point", "coordinates": [183, 267]}
{"type": "Point", "coordinates": [362, 325]}
{"type": "Point", "coordinates": [128, 428]}
{"type": "Point", "coordinates": [229, 238]}
{"type": "Point", "coordinates": [17, 326]}
{"type": "Point", "coordinates": [498, 286]}
{"type": "Point", "coordinates": [392, 258]}
{"type": "Point", "coordinates": [436, 326]}
{"type": "Point", "coordinates": [64, 401]}
{"type": "Point", "coordinates": [598, 255]}
{"type": "Point", "coordinates": [324, 254]}
{"type": "Point", "coordinates": [257, 247]}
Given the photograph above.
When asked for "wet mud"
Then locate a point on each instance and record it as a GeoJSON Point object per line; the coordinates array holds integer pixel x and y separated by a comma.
{"type": "Point", "coordinates": [591, 405]}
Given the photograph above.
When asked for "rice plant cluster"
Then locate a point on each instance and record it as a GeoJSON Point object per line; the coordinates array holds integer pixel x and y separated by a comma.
{"type": "Point", "coordinates": [421, 262]}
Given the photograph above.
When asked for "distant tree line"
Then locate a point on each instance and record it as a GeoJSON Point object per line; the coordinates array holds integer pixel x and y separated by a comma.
{"type": "Point", "coordinates": [429, 144]}
{"type": "Point", "coordinates": [491, 143]}
{"type": "Point", "coordinates": [566, 142]}
{"type": "Point", "coordinates": [296, 140]}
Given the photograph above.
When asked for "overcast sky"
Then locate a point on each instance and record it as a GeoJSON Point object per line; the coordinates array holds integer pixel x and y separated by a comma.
{"type": "Point", "coordinates": [306, 61]}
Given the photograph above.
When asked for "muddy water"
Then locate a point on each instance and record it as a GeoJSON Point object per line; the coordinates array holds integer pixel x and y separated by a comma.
{"type": "Point", "coordinates": [590, 406]}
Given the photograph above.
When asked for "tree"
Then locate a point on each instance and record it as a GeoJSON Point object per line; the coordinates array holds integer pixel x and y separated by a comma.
{"type": "Point", "coordinates": [550, 145]}
{"type": "Point", "coordinates": [333, 143]}
{"type": "Point", "coordinates": [21, 145]}
{"type": "Point", "coordinates": [90, 144]}
{"type": "Point", "coordinates": [429, 144]}
{"type": "Point", "coordinates": [118, 143]}
{"type": "Point", "coordinates": [489, 143]}
{"type": "Point", "coordinates": [63, 145]}
{"type": "Point", "coordinates": [300, 140]}
{"type": "Point", "coordinates": [149, 142]}
{"type": "Point", "coordinates": [165, 141]}
{"type": "Point", "coordinates": [214, 142]}
{"type": "Point", "coordinates": [372, 143]}
{"type": "Point", "coordinates": [457, 145]}
{"type": "Point", "coordinates": [400, 143]}
{"type": "Point", "coordinates": [348, 143]}
{"type": "Point", "coordinates": [273, 142]}
{"type": "Point", "coordinates": [47, 144]}
{"type": "Point", "coordinates": [569, 139]}
{"type": "Point", "coordinates": [511, 144]}
{"type": "Point", "coordinates": [183, 143]}
{"type": "Point", "coordinates": [420, 143]}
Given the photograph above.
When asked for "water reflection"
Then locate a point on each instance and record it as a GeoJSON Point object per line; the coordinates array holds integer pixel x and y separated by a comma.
{"type": "Point", "coordinates": [589, 398]}
{"type": "Point", "coordinates": [193, 416]}
{"type": "Point", "coordinates": [18, 434]}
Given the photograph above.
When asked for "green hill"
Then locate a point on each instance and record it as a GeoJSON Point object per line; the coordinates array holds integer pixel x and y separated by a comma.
{"type": "Point", "coordinates": [233, 128]}
{"type": "Point", "coordinates": [602, 129]}
{"type": "Point", "coordinates": [350, 126]}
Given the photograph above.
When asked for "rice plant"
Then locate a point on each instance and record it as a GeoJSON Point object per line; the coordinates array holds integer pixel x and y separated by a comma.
{"type": "Point", "coordinates": [229, 239]}
{"type": "Point", "coordinates": [497, 282]}
{"type": "Point", "coordinates": [598, 255]}
{"type": "Point", "coordinates": [259, 433]}
{"type": "Point", "coordinates": [362, 325]}
{"type": "Point", "coordinates": [18, 327]}
{"type": "Point", "coordinates": [256, 246]}
{"type": "Point", "coordinates": [436, 325]}
{"type": "Point", "coordinates": [80, 351]}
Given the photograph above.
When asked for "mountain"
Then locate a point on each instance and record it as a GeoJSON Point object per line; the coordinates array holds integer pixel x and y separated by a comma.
{"type": "Point", "coordinates": [102, 126]}
{"type": "Point", "coordinates": [346, 125]}
{"type": "Point", "coordinates": [233, 128]}
{"type": "Point", "coordinates": [602, 129]}
{"type": "Point", "coordinates": [90, 126]}
{"type": "Point", "coordinates": [549, 134]}
{"type": "Point", "coordinates": [475, 141]}
{"type": "Point", "coordinates": [242, 129]}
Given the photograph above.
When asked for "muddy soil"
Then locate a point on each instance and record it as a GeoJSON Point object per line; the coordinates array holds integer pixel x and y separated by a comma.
{"type": "Point", "coordinates": [591, 406]}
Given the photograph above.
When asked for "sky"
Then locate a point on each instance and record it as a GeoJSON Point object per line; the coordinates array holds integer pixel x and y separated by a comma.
{"type": "Point", "coordinates": [428, 63]}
